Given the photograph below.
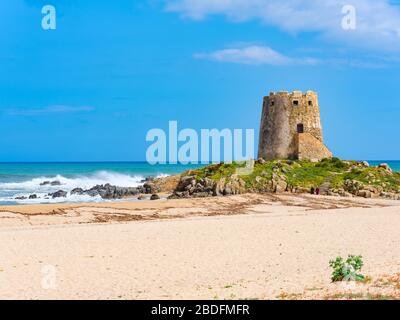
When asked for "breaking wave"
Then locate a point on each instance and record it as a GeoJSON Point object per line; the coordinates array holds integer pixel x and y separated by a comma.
{"type": "Point", "coordinates": [41, 187]}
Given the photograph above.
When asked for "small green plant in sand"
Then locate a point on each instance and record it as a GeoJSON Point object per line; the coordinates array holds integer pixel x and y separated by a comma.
{"type": "Point", "coordinates": [346, 270]}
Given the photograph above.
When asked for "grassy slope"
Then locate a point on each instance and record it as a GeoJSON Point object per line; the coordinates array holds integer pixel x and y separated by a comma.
{"type": "Point", "coordinates": [306, 174]}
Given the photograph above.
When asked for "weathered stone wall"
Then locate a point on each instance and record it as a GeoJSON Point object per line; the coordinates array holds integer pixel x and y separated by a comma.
{"type": "Point", "coordinates": [282, 113]}
{"type": "Point", "coordinates": [311, 148]}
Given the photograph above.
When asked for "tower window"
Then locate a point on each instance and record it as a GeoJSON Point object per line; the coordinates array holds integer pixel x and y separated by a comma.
{"type": "Point", "coordinates": [272, 103]}
{"type": "Point", "coordinates": [295, 102]}
{"type": "Point", "coordinates": [310, 103]}
{"type": "Point", "coordinates": [300, 128]}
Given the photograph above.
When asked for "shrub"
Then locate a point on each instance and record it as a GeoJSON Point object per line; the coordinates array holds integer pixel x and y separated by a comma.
{"type": "Point", "coordinates": [346, 270]}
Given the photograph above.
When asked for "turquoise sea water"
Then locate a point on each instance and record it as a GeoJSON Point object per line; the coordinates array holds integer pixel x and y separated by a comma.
{"type": "Point", "coordinates": [394, 164]}
{"type": "Point", "coordinates": [23, 179]}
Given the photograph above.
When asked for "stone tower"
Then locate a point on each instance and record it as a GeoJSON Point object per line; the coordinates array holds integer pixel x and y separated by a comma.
{"type": "Point", "coordinates": [291, 127]}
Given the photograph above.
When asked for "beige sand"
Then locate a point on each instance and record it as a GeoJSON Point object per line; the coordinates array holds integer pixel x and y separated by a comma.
{"type": "Point", "coordinates": [250, 246]}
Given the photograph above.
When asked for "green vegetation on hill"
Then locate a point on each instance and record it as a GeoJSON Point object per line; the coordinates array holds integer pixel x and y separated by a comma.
{"type": "Point", "coordinates": [332, 176]}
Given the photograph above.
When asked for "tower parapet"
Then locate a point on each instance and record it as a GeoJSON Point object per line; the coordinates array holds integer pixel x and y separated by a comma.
{"type": "Point", "coordinates": [291, 127]}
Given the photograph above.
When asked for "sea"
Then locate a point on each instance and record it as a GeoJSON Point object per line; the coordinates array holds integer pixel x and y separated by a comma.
{"type": "Point", "coordinates": [24, 179]}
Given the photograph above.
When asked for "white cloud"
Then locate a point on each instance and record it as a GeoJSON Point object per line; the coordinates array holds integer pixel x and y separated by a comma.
{"type": "Point", "coordinates": [377, 27]}
{"type": "Point", "coordinates": [56, 109]}
{"type": "Point", "coordinates": [256, 55]}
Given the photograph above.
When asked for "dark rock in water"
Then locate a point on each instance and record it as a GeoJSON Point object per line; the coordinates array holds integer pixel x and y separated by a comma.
{"type": "Point", "coordinates": [58, 194]}
{"type": "Point", "coordinates": [78, 191]}
{"type": "Point", "coordinates": [108, 191]}
{"type": "Point", "coordinates": [33, 196]}
{"type": "Point", "coordinates": [154, 197]}
{"type": "Point", "coordinates": [21, 198]}
{"type": "Point", "coordinates": [51, 183]}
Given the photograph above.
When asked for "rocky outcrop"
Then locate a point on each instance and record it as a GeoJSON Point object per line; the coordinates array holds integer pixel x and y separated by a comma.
{"type": "Point", "coordinates": [189, 186]}
{"type": "Point", "coordinates": [353, 186]}
{"type": "Point", "coordinates": [150, 187]}
{"type": "Point", "coordinates": [108, 191]}
{"type": "Point", "coordinates": [278, 183]}
{"type": "Point", "coordinates": [58, 194]}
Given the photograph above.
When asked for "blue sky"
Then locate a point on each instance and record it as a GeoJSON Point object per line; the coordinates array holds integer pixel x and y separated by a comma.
{"type": "Point", "coordinates": [91, 89]}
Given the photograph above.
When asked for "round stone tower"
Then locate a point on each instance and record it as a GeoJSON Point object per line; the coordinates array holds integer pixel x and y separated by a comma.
{"type": "Point", "coordinates": [291, 127]}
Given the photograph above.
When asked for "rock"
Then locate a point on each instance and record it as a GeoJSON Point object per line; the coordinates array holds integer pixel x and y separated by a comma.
{"type": "Point", "coordinates": [51, 183]}
{"type": "Point", "coordinates": [141, 197]}
{"type": "Point", "coordinates": [150, 187]}
{"type": "Point", "coordinates": [208, 183]}
{"type": "Point", "coordinates": [58, 194]}
{"type": "Point", "coordinates": [279, 183]}
{"type": "Point", "coordinates": [21, 198]}
{"type": "Point", "coordinates": [332, 193]}
{"type": "Point", "coordinates": [188, 186]}
{"type": "Point", "coordinates": [154, 197]}
{"type": "Point", "coordinates": [202, 194]}
{"type": "Point", "coordinates": [352, 186]}
{"type": "Point", "coordinates": [108, 191]}
{"type": "Point", "coordinates": [364, 193]}
{"type": "Point", "coordinates": [261, 161]}
{"type": "Point", "coordinates": [386, 167]}
{"type": "Point", "coordinates": [186, 183]}
{"type": "Point", "coordinates": [219, 187]}
{"type": "Point", "coordinates": [78, 191]}
{"type": "Point", "coordinates": [165, 184]}
{"type": "Point", "coordinates": [227, 191]}
{"type": "Point", "coordinates": [33, 196]}
{"type": "Point", "coordinates": [374, 190]}
{"type": "Point", "coordinates": [264, 173]}
{"type": "Point", "coordinates": [388, 195]}
{"type": "Point", "coordinates": [234, 186]}
{"type": "Point", "coordinates": [179, 195]}
{"type": "Point", "coordinates": [365, 163]}
{"type": "Point", "coordinates": [301, 190]}
{"type": "Point", "coordinates": [343, 193]}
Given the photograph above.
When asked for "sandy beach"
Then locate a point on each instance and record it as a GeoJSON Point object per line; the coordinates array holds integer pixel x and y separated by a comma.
{"type": "Point", "coordinates": [239, 247]}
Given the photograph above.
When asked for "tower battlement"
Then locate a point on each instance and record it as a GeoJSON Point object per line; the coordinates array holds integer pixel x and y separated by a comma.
{"type": "Point", "coordinates": [289, 121]}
